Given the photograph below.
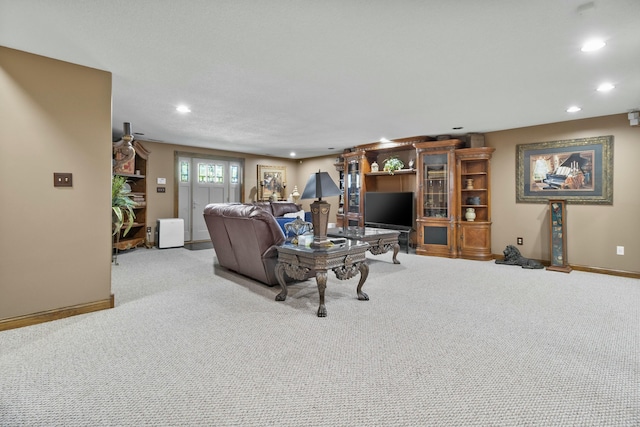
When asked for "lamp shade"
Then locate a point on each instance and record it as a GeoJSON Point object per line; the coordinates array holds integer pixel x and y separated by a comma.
{"type": "Point", "coordinates": [320, 185]}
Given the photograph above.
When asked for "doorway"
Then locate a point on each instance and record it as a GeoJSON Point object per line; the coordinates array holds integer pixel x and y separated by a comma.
{"type": "Point", "coordinates": [203, 180]}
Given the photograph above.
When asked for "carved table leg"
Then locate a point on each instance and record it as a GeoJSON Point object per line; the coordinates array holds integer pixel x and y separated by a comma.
{"type": "Point", "coordinates": [364, 273]}
{"type": "Point", "coordinates": [321, 280]}
{"type": "Point", "coordinates": [280, 276]}
{"type": "Point", "coordinates": [396, 249]}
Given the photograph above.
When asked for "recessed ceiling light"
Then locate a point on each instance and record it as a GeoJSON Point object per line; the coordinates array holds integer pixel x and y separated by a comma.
{"type": "Point", "coordinates": [605, 87]}
{"type": "Point", "coordinates": [183, 109]}
{"type": "Point", "coordinates": [592, 45]}
{"type": "Point", "coordinates": [292, 154]}
{"type": "Point", "coordinates": [573, 109]}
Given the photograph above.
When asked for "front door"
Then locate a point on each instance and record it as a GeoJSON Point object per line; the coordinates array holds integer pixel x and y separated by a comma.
{"type": "Point", "coordinates": [208, 187]}
{"type": "Point", "coordinates": [211, 181]}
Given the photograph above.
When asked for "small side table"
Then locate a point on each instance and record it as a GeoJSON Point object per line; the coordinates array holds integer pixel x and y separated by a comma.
{"type": "Point", "coordinates": [346, 259]}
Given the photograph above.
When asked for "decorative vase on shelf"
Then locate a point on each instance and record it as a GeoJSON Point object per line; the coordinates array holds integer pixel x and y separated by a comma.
{"type": "Point", "coordinates": [469, 184]}
{"type": "Point", "coordinates": [295, 195]}
{"type": "Point", "coordinates": [374, 167]}
{"type": "Point", "coordinates": [470, 215]}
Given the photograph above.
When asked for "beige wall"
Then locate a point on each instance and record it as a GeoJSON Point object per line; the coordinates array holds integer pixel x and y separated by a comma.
{"type": "Point", "coordinates": [593, 231]}
{"type": "Point", "coordinates": [54, 242]}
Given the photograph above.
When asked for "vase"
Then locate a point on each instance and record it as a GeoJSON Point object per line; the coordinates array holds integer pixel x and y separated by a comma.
{"type": "Point", "coordinates": [374, 167]}
{"type": "Point", "coordinates": [469, 184]}
{"type": "Point", "coordinates": [470, 214]}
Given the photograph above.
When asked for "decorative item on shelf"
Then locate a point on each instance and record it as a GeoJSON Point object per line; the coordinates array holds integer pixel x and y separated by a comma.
{"type": "Point", "coordinates": [470, 214]}
{"type": "Point", "coordinates": [392, 164]}
{"type": "Point", "coordinates": [374, 167]}
{"type": "Point", "coordinates": [469, 184]}
{"type": "Point", "coordinates": [124, 153]}
{"type": "Point", "coordinates": [295, 195]}
{"type": "Point", "coordinates": [320, 185]}
{"type": "Point", "coordinates": [411, 163]}
{"type": "Point", "coordinates": [473, 200]}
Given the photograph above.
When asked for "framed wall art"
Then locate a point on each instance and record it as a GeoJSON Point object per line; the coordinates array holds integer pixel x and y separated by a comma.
{"type": "Point", "coordinates": [576, 170]}
{"type": "Point", "coordinates": [272, 182]}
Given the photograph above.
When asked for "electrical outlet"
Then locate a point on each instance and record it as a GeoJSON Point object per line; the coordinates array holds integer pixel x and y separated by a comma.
{"type": "Point", "coordinates": [520, 241]}
{"type": "Point", "coordinates": [620, 250]}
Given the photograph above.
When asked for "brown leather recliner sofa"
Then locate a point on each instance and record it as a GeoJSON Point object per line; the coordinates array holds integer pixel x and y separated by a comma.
{"type": "Point", "coordinates": [245, 238]}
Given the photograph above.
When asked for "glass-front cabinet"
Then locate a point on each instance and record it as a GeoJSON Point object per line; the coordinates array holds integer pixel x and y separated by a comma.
{"type": "Point", "coordinates": [355, 166]}
{"type": "Point", "coordinates": [436, 198]}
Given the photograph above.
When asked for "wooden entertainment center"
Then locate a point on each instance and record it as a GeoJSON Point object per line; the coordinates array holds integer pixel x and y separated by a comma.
{"type": "Point", "coordinates": [448, 179]}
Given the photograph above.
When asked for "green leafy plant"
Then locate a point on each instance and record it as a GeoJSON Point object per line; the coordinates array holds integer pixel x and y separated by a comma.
{"type": "Point", "coordinates": [121, 205]}
{"type": "Point", "coordinates": [392, 164]}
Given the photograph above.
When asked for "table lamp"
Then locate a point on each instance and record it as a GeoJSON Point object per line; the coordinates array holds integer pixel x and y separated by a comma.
{"type": "Point", "coordinates": [320, 185]}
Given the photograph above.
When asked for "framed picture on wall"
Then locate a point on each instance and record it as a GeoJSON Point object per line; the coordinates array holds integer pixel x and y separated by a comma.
{"type": "Point", "coordinates": [577, 170]}
{"type": "Point", "coordinates": [272, 182]}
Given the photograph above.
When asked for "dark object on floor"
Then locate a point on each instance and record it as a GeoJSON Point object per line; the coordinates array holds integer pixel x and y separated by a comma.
{"type": "Point", "coordinates": [198, 246]}
{"type": "Point", "coordinates": [512, 256]}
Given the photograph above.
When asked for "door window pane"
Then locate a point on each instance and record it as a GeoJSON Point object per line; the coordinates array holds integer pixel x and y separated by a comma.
{"type": "Point", "coordinates": [234, 174]}
{"type": "Point", "coordinates": [184, 171]}
{"type": "Point", "coordinates": [219, 174]}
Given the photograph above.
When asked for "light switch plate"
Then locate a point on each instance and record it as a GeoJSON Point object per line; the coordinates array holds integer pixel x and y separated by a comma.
{"type": "Point", "coordinates": [62, 179]}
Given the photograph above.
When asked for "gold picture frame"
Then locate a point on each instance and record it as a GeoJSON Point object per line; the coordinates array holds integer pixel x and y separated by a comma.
{"type": "Point", "coordinates": [272, 182]}
{"type": "Point", "coordinates": [578, 171]}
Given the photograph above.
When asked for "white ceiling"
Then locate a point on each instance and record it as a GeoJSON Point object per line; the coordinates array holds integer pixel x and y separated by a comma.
{"type": "Point", "coordinates": [274, 76]}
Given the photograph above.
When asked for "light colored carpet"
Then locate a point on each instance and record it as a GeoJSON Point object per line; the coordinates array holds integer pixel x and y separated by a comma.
{"type": "Point", "coordinates": [440, 343]}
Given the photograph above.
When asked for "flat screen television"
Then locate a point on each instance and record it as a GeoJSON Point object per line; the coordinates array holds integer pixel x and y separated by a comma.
{"type": "Point", "coordinates": [389, 210]}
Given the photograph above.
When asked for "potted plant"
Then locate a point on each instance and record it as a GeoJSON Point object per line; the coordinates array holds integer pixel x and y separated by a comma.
{"type": "Point", "coordinates": [392, 164]}
{"type": "Point", "coordinates": [122, 205]}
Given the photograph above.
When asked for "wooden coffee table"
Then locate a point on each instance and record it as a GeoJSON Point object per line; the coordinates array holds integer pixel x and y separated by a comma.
{"type": "Point", "coordinates": [380, 240]}
{"type": "Point", "coordinates": [346, 260]}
